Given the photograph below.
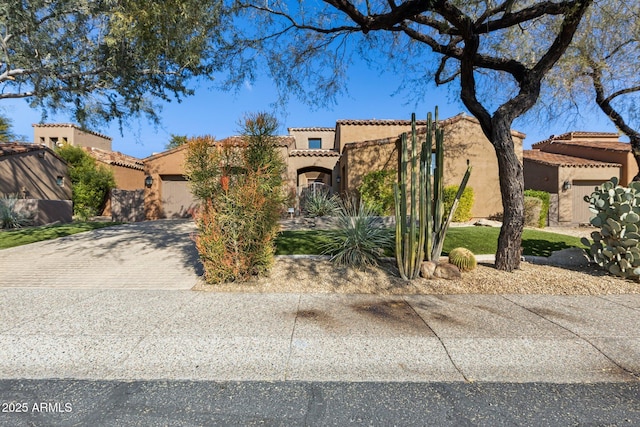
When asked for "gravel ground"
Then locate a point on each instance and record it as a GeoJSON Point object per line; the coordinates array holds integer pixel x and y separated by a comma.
{"type": "Point", "coordinates": [319, 275]}
{"type": "Point", "coordinates": [300, 274]}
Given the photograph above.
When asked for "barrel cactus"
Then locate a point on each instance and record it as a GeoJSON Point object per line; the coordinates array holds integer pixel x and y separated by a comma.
{"type": "Point", "coordinates": [617, 214]}
{"type": "Point", "coordinates": [463, 258]}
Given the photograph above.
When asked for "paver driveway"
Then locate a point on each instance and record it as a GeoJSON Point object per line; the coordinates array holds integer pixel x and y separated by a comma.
{"type": "Point", "coordinates": [146, 255]}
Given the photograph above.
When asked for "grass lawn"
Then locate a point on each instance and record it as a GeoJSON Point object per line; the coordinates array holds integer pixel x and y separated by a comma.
{"type": "Point", "coordinates": [23, 236]}
{"type": "Point", "coordinates": [480, 240]}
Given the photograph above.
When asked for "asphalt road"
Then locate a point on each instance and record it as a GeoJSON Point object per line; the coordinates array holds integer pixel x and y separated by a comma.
{"type": "Point", "coordinates": [189, 403]}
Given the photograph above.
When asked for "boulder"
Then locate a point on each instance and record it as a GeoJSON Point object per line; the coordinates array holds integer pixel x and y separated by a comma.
{"type": "Point", "coordinates": [427, 268]}
{"type": "Point", "coordinates": [447, 271]}
{"type": "Point", "coordinates": [572, 257]}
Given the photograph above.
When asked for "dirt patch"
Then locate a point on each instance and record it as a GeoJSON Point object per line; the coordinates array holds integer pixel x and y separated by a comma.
{"type": "Point", "coordinates": [319, 275]}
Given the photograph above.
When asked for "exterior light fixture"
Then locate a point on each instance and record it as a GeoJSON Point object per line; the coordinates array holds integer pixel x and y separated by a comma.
{"type": "Point", "coordinates": [338, 179]}
{"type": "Point", "coordinates": [566, 185]}
{"type": "Point", "coordinates": [148, 181]}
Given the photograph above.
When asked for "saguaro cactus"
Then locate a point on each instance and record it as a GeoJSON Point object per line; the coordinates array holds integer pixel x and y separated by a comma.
{"type": "Point", "coordinates": [421, 234]}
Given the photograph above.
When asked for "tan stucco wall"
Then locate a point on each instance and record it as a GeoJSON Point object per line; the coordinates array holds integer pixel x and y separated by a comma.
{"type": "Point", "coordinates": [540, 177]}
{"type": "Point", "coordinates": [128, 178]}
{"type": "Point", "coordinates": [346, 133]}
{"type": "Point", "coordinates": [464, 141]}
{"type": "Point", "coordinates": [168, 163]}
{"type": "Point", "coordinates": [69, 134]}
{"type": "Point", "coordinates": [34, 174]}
{"type": "Point", "coordinates": [573, 174]}
{"type": "Point", "coordinates": [302, 138]}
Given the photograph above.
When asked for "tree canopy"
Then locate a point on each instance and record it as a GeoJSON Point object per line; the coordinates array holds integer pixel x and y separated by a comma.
{"type": "Point", "coordinates": [104, 60]}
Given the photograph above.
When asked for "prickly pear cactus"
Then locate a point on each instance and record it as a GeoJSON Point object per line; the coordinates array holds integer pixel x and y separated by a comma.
{"type": "Point", "coordinates": [615, 245]}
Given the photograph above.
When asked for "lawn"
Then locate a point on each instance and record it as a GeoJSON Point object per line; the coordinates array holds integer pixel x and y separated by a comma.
{"type": "Point", "coordinates": [480, 240]}
{"type": "Point", "coordinates": [23, 236]}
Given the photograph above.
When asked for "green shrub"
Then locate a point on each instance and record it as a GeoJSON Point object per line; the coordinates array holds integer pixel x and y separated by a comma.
{"type": "Point", "coordinates": [241, 188]}
{"type": "Point", "coordinates": [357, 241]}
{"type": "Point", "coordinates": [376, 191]}
{"type": "Point", "coordinates": [544, 212]}
{"type": "Point", "coordinates": [463, 211]}
{"type": "Point", "coordinates": [317, 203]}
{"type": "Point", "coordinates": [90, 181]}
{"type": "Point", "coordinates": [532, 211]}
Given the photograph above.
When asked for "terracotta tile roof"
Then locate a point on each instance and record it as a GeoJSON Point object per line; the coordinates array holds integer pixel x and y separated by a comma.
{"type": "Point", "coordinates": [443, 122]}
{"type": "Point", "coordinates": [311, 129]}
{"type": "Point", "coordinates": [313, 153]}
{"type": "Point", "coordinates": [552, 159]}
{"type": "Point", "coordinates": [115, 158]}
{"type": "Point", "coordinates": [69, 125]}
{"type": "Point", "coordinates": [9, 148]}
{"type": "Point", "coordinates": [608, 141]}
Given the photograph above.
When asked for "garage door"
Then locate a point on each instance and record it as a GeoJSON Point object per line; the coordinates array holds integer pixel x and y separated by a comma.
{"type": "Point", "coordinates": [177, 200]}
{"type": "Point", "coordinates": [581, 212]}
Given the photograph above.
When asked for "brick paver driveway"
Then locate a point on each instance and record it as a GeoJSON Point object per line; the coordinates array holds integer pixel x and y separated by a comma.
{"type": "Point", "coordinates": [147, 255]}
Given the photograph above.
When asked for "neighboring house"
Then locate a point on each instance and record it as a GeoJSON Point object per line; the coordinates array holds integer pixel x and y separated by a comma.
{"type": "Point", "coordinates": [36, 173]}
{"type": "Point", "coordinates": [128, 171]}
{"type": "Point", "coordinates": [337, 158]}
{"type": "Point", "coordinates": [54, 135]}
{"type": "Point", "coordinates": [570, 165]}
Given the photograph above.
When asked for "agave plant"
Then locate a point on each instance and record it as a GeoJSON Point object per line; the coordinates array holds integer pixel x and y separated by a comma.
{"type": "Point", "coordinates": [357, 241]}
{"type": "Point", "coordinates": [9, 216]}
{"type": "Point", "coordinates": [319, 203]}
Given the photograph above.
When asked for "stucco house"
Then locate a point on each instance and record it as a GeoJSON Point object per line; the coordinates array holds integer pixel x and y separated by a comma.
{"type": "Point", "coordinates": [570, 165]}
{"type": "Point", "coordinates": [337, 159]}
{"type": "Point", "coordinates": [37, 175]}
{"type": "Point", "coordinates": [128, 171]}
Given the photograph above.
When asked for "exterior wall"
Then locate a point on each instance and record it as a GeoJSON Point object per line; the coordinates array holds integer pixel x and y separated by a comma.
{"type": "Point", "coordinates": [34, 175]}
{"type": "Point", "coordinates": [71, 134]}
{"type": "Point", "coordinates": [168, 163]}
{"type": "Point", "coordinates": [624, 158]}
{"type": "Point", "coordinates": [297, 164]}
{"type": "Point", "coordinates": [346, 133]}
{"type": "Point", "coordinates": [573, 174]}
{"type": "Point", "coordinates": [540, 177]}
{"type": "Point", "coordinates": [128, 178]}
{"type": "Point", "coordinates": [46, 211]}
{"type": "Point", "coordinates": [302, 137]}
{"type": "Point", "coordinates": [464, 141]}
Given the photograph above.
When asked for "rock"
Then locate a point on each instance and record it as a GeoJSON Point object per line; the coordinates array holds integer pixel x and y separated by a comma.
{"type": "Point", "coordinates": [572, 257]}
{"type": "Point", "coordinates": [427, 268]}
{"type": "Point", "coordinates": [447, 271]}
{"type": "Point", "coordinates": [487, 223]}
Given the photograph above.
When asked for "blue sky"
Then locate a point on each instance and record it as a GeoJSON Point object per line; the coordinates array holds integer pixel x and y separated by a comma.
{"type": "Point", "coordinates": [371, 96]}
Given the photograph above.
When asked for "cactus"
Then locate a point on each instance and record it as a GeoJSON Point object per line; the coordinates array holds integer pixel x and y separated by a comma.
{"type": "Point", "coordinates": [615, 245]}
{"type": "Point", "coordinates": [421, 234]}
{"type": "Point", "coordinates": [463, 258]}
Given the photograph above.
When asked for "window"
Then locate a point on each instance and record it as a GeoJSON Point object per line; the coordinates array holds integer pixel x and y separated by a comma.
{"type": "Point", "coordinates": [60, 181]}
{"type": "Point", "coordinates": [315, 143]}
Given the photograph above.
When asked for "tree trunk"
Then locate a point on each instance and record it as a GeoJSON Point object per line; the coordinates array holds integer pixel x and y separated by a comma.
{"type": "Point", "coordinates": [512, 190]}
{"type": "Point", "coordinates": [634, 141]}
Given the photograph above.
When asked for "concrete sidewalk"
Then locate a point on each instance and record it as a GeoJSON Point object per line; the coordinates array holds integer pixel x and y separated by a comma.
{"type": "Point", "coordinates": [175, 334]}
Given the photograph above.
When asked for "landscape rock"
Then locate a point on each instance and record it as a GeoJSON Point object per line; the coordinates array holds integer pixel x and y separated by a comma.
{"type": "Point", "coordinates": [483, 222]}
{"type": "Point", "coordinates": [447, 271]}
{"type": "Point", "coordinates": [572, 257]}
{"type": "Point", "coordinates": [427, 268]}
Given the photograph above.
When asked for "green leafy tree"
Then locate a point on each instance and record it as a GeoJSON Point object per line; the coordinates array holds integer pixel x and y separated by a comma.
{"type": "Point", "coordinates": [176, 141]}
{"type": "Point", "coordinates": [90, 181]}
{"type": "Point", "coordinates": [6, 134]}
{"type": "Point", "coordinates": [498, 53]}
{"type": "Point", "coordinates": [104, 60]}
